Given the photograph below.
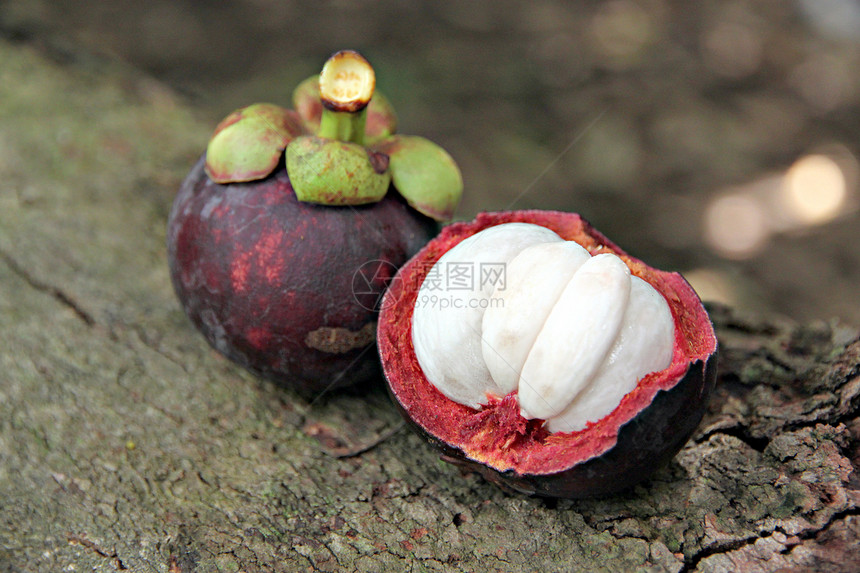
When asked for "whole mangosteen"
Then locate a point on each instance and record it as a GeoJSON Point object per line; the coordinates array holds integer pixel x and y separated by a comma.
{"type": "Point", "coordinates": [293, 222]}
{"type": "Point", "coordinates": [530, 348]}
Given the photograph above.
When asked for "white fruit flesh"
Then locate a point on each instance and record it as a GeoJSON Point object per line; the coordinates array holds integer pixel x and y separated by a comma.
{"type": "Point", "coordinates": [446, 324]}
{"type": "Point", "coordinates": [644, 345]}
{"type": "Point", "coordinates": [576, 337]}
{"type": "Point", "coordinates": [572, 333]}
{"type": "Point", "coordinates": [510, 328]}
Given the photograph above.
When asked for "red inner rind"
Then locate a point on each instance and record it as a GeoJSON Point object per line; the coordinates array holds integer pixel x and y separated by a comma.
{"type": "Point", "coordinates": [497, 435]}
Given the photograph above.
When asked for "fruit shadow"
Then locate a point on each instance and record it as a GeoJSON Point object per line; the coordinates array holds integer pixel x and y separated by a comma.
{"type": "Point", "coordinates": [346, 422]}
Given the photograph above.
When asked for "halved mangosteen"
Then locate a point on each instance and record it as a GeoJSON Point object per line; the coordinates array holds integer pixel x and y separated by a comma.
{"type": "Point", "coordinates": [530, 348]}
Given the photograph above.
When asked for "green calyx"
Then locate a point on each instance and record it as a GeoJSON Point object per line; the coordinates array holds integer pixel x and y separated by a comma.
{"type": "Point", "coordinates": [340, 142]}
{"type": "Point", "coordinates": [424, 174]}
{"type": "Point", "coordinates": [331, 172]}
{"type": "Point", "coordinates": [248, 143]}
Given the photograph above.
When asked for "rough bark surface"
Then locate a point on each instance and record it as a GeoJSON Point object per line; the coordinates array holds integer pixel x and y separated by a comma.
{"type": "Point", "coordinates": [127, 444]}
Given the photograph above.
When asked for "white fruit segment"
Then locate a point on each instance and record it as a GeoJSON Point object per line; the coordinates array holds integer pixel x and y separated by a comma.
{"type": "Point", "coordinates": [571, 333]}
{"type": "Point", "coordinates": [446, 323]}
{"type": "Point", "coordinates": [644, 345]}
{"type": "Point", "coordinates": [535, 280]}
{"type": "Point", "coordinates": [576, 337]}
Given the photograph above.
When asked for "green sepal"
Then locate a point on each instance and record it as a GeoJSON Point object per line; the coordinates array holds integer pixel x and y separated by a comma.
{"type": "Point", "coordinates": [381, 119]}
{"type": "Point", "coordinates": [248, 144]}
{"type": "Point", "coordinates": [331, 172]}
{"type": "Point", "coordinates": [306, 102]}
{"type": "Point", "coordinates": [424, 174]}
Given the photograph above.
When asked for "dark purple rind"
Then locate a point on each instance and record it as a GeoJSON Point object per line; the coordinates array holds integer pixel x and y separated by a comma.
{"type": "Point", "coordinates": [299, 263]}
{"type": "Point", "coordinates": [646, 443]}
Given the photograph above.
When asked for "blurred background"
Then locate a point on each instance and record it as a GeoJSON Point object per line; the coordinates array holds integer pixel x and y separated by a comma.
{"type": "Point", "coordinates": [716, 138]}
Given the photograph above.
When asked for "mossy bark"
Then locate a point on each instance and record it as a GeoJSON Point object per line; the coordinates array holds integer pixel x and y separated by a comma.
{"type": "Point", "coordinates": [126, 443]}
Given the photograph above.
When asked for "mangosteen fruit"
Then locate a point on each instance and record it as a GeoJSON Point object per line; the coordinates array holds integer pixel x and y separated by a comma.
{"type": "Point", "coordinates": [286, 232]}
{"type": "Point", "coordinates": [528, 347]}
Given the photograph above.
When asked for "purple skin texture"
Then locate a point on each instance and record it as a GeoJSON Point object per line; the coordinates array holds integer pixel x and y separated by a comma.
{"type": "Point", "coordinates": [269, 280]}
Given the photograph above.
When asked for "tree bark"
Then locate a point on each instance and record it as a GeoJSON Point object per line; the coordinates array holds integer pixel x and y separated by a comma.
{"type": "Point", "coordinates": [127, 444]}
